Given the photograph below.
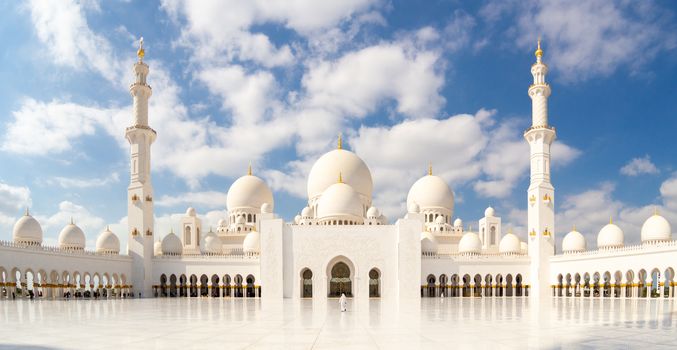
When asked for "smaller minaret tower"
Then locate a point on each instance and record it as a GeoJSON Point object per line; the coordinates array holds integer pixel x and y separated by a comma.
{"type": "Point", "coordinates": [140, 190]}
{"type": "Point", "coordinates": [541, 193]}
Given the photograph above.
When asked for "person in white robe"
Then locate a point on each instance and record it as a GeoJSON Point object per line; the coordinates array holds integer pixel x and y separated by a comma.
{"type": "Point", "coordinates": [343, 303]}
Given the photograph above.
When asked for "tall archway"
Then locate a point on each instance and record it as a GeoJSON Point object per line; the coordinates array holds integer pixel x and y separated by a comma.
{"type": "Point", "coordinates": [466, 286]}
{"type": "Point", "coordinates": [204, 285]}
{"type": "Point", "coordinates": [430, 287]}
{"type": "Point", "coordinates": [340, 281]}
{"type": "Point", "coordinates": [668, 289]}
{"type": "Point", "coordinates": [499, 285]}
{"type": "Point", "coordinates": [454, 285]}
{"type": "Point", "coordinates": [183, 286]}
{"type": "Point", "coordinates": [251, 287]}
{"type": "Point", "coordinates": [163, 285]}
{"type": "Point", "coordinates": [655, 283]}
{"type": "Point", "coordinates": [508, 285]}
{"type": "Point", "coordinates": [477, 287]}
{"type": "Point", "coordinates": [488, 290]}
{"type": "Point", "coordinates": [216, 291]}
{"type": "Point", "coordinates": [375, 283]}
{"type": "Point", "coordinates": [172, 286]}
{"type": "Point", "coordinates": [193, 285]}
{"type": "Point", "coordinates": [226, 286]}
{"type": "Point", "coordinates": [306, 283]}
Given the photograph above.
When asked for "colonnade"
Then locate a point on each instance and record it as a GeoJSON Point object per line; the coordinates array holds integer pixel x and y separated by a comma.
{"type": "Point", "coordinates": [204, 286]}
{"type": "Point", "coordinates": [475, 286]}
{"type": "Point", "coordinates": [619, 285]}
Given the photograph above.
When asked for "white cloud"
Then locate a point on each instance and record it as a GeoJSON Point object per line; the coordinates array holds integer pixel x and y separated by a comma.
{"type": "Point", "coordinates": [13, 200]}
{"type": "Point", "coordinates": [90, 224]}
{"type": "Point", "coordinates": [639, 166]}
{"type": "Point", "coordinates": [210, 199]}
{"type": "Point", "coordinates": [69, 182]}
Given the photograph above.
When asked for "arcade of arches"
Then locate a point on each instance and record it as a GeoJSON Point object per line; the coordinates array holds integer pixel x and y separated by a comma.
{"type": "Point", "coordinates": [474, 286]}
{"type": "Point", "coordinates": [29, 283]}
{"type": "Point", "coordinates": [206, 286]}
{"type": "Point", "coordinates": [630, 284]}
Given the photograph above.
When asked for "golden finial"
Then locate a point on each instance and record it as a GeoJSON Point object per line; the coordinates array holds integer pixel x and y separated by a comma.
{"type": "Point", "coordinates": [655, 210]}
{"type": "Point", "coordinates": [611, 220]}
{"type": "Point", "coordinates": [340, 141]}
{"type": "Point", "coordinates": [573, 227]}
{"type": "Point", "coordinates": [340, 178]}
{"type": "Point", "coordinates": [140, 52]}
{"type": "Point", "coordinates": [27, 212]}
{"type": "Point", "coordinates": [72, 223]}
{"type": "Point", "coordinates": [249, 170]}
{"type": "Point", "coordinates": [510, 230]}
{"type": "Point", "coordinates": [430, 168]}
{"type": "Point", "coordinates": [539, 52]}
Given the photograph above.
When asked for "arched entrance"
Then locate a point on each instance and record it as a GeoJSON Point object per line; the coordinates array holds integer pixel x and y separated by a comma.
{"type": "Point", "coordinates": [340, 281]}
{"type": "Point", "coordinates": [307, 284]}
{"type": "Point", "coordinates": [374, 284]}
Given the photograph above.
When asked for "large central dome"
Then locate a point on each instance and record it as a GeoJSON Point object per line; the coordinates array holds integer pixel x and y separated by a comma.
{"type": "Point", "coordinates": [339, 161]}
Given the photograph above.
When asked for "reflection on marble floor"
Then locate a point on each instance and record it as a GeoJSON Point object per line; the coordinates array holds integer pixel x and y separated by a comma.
{"type": "Point", "coordinates": [375, 324]}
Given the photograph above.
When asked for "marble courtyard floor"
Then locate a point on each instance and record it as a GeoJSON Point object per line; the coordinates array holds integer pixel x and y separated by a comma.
{"type": "Point", "coordinates": [511, 323]}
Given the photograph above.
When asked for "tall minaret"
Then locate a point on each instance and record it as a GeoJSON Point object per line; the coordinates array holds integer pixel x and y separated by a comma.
{"type": "Point", "coordinates": [541, 193]}
{"type": "Point", "coordinates": [140, 191]}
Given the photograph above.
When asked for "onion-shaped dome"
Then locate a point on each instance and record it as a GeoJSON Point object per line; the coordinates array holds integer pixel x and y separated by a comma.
{"type": "Point", "coordinates": [190, 211]}
{"type": "Point", "coordinates": [240, 220]}
{"type": "Point", "coordinates": [252, 243]}
{"type": "Point", "coordinates": [222, 223]}
{"type": "Point", "coordinates": [573, 242]}
{"type": "Point", "coordinates": [171, 245]}
{"type": "Point", "coordinates": [510, 244]}
{"type": "Point", "coordinates": [489, 212]}
{"type": "Point", "coordinates": [656, 229]}
{"type": "Point", "coordinates": [431, 192]}
{"type": "Point", "coordinates": [297, 219]}
{"type": "Point", "coordinates": [211, 243]}
{"type": "Point", "coordinates": [458, 222]}
{"type": "Point", "coordinates": [249, 192]}
{"type": "Point", "coordinates": [306, 213]}
{"type": "Point", "coordinates": [439, 219]}
{"type": "Point", "coordinates": [72, 237]}
{"type": "Point", "coordinates": [610, 236]}
{"type": "Point", "coordinates": [108, 242]}
{"type": "Point", "coordinates": [157, 247]}
{"type": "Point", "coordinates": [470, 244]}
{"type": "Point", "coordinates": [373, 213]}
{"type": "Point", "coordinates": [339, 200]}
{"type": "Point", "coordinates": [266, 208]}
{"type": "Point", "coordinates": [27, 230]}
{"type": "Point", "coordinates": [413, 208]}
{"type": "Point", "coordinates": [428, 242]}
{"type": "Point", "coordinates": [355, 172]}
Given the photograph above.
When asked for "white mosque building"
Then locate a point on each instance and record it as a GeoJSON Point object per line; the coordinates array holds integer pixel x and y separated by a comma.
{"type": "Point", "coordinates": [340, 243]}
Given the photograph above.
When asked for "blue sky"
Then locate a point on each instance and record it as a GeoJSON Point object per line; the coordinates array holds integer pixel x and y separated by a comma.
{"type": "Point", "coordinates": [274, 82]}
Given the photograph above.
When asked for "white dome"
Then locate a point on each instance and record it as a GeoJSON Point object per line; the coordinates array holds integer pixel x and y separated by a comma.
{"type": "Point", "coordinates": [249, 191]}
{"type": "Point", "coordinates": [71, 237]}
{"type": "Point", "coordinates": [428, 242]}
{"type": "Point", "coordinates": [211, 243]}
{"type": "Point", "coordinates": [470, 244]}
{"type": "Point", "coordinates": [306, 213]}
{"type": "Point", "coordinates": [190, 211]}
{"type": "Point", "coordinates": [510, 244]}
{"type": "Point", "coordinates": [27, 230]}
{"type": "Point", "coordinates": [524, 246]}
{"type": "Point", "coordinates": [157, 247]}
{"type": "Point", "coordinates": [297, 219]}
{"type": "Point", "coordinates": [339, 199]}
{"type": "Point", "coordinates": [458, 222]}
{"type": "Point", "coordinates": [574, 241]}
{"type": "Point", "coordinates": [353, 169]}
{"type": "Point", "coordinates": [431, 192]}
{"type": "Point", "coordinates": [656, 229]}
{"type": "Point", "coordinates": [610, 236]}
{"type": "Point", "coordinates": [489, 212]}
{"type": "Point", "coordinates": [439, 219]}
{"type": "Point", "coordinates": [373, 213]}
{"type": "Point", "coordinates": [266, 208]}
{"type": "Point", "coordinates": [171, 245]}
{"type": "Point", "coordinates": [222, 223]}
{"type": "Point", "coordinates": [252, 242]}
{"type": "Point", "coordinates": [413, 208]}
{"type": "Point", "coordinates": [108, 242]}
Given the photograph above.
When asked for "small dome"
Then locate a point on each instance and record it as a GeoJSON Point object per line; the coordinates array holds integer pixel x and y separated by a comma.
{"type": "Point", "coordinates": [510, 244]}
{"type": "Point", "coordinates": [252, 242]}
{"type": "Point", "coordinates": [157, 247]}
{"type": "Point", "coordinates": [297, 219]}
{"type": "Point", "coordinates": [489, 212]}
{"type": "Point", "coordinates": [108, 243]}
{"type": "Point", "coordinates": [190, 211]}
{"type": "Point", "coordinates": [306, 213]}
{"type": "Point", "coordinates": [240, 220]}
{"type": "Point", "coordinates": [470, 244]}
{"type": "Point", "coordinates": [439, 219]}
{"type": "Point", "coordinates": [339, 199]}
{"type": "Point", "coordinates": [458, 222]}
{"type": "Point", "coordinates": [171, 245]}
{"type": "Point", "coordinates": [266, 208]}
{"type": "Point", "coordinates": [428, 242]}
{"type": "Point", "coordinates": [610, 236]}
{"type": "Point", "coordinates": [656, 229]}
{"type": "Point", "coordinates": [413, 208]}
{"type": "Point", "coordinates": [573, 242]}
{"type": "Point", "coordinates": [355, 172]}
{"type": "Point", "coordinates": [431, 192]}
{"type": "Point", "coordinates": [250, 192]}
{"type": "Point", "coordinates": [524, 246]}
{"type": "Point", "coordinates": [373, 213]}
{"type": "Point", "coordinates": [71, 237]}
{"type": "Point", "coordinates": [27, 230]}
{"type": "Point", "coordinates": [222, 223]}
{"type": "Point", "coordinates": [211, 243]}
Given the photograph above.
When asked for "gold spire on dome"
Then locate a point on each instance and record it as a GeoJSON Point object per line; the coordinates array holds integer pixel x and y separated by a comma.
{"type": "Point", "coordinates": [140, 52]}
{"type": "Point", "coordinates": [249, 170]}
{"type": "Point", "coordinates": [27, 213]}
{"type": "Point", "coordinates": [573, 227]}
{"type": "Point", "coordinates": [430, 168]}
{"type": "Point", "coordinates": [655, 210]}
{"type": "Point", "coordinates": [611, 220]}
{"type": "Point", "coordinates": [340, 180]}
{"type": "Point", "coordinates": [539, 52]}
{"type": "Point", "coordinates": [72, 223]}
{"type": "Point", "coordinates": [340, 141]}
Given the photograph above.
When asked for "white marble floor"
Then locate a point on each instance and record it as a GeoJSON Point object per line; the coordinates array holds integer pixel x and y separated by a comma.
{"type": "Point", "coordinates": [375, 324]}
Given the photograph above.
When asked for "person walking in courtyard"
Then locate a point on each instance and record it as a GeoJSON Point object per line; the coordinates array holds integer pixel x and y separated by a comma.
{"type": "Point", "coordinates": [343, 302]}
